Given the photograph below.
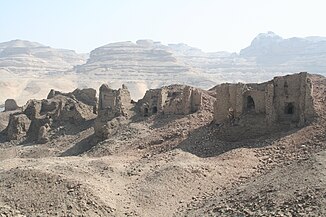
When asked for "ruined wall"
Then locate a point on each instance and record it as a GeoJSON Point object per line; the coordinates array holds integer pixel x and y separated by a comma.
{"type": "Point", "coordinates": [293, 100]}
{"type": "Point", "coordinates": [284, 99]}
{"type": "Point", "coordinates": [259, 99]}
{"type": "Point", "coordinates": [196, 101]}
{"type": "Point", "coordinates": [269, 104]}
{"type": "Point", "coordinates": [107, 98]}
{"type": "Point", "coordinates": [174, 103]}
{"type": "Point", "coordinates": [40, 115]}
{"type": "Point", "coordinates": [153, 101]}
{"type": "Point", "coordinates": [86, 96]}
{"type": "Point", "coordinates": [11, 105]}
{"type": "Point", "coordinates": [221, 105]}
{"type": "Point", "coordinates": [307, 102]}
{"type": "Point", "coordinates": [229, 97]}
{"type": "Point", "coordinates": [73, 111]}
{"type": "Point", "coordinates": [174, 99]}
{"type": "Point", "coordinates": [113, 104]}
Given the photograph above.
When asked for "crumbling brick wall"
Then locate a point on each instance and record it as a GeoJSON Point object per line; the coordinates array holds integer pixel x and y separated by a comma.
{"type": "Point", "coordinates": [284, 99]}
{"type": "Point", "coordinates": [112, 104]}
{"type": "Point", "coordinates": [174, 99]}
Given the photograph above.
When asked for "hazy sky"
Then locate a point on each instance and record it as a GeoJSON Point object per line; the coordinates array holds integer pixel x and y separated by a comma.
{"type": "Point", "coordinates": [212, 25]}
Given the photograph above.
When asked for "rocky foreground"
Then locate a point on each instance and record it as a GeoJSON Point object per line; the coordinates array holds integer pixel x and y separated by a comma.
{"type": "Point", "coordinates": [160, 164]}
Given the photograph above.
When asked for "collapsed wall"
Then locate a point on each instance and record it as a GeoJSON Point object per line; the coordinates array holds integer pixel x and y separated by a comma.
{"type": "Point", "coordinates": [286, 99]}
{"type": "Point", "coordinates": [38, 116]}
{"type": "Point", "coordinates": [86, 96]}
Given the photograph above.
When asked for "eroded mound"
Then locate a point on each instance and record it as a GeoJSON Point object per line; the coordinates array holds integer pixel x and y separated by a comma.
{"type": "Point", "coordinates": [298, 189]}
{"type": "Point", "coordinates": [36, 193]}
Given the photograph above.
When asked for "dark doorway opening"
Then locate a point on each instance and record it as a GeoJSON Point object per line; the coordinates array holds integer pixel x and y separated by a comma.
{"type": "Point", "coordinates": [289, 108]}
{"type": "Point", "coordinates": [145, 112]}
{"type": "Point", "coordinates": [250, 104]}
{"type": "Point", "coordinates": [154, 110]}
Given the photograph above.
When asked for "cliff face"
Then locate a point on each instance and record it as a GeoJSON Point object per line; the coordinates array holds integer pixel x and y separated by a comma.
{"type": "Point", "coordinates": [142, 65]}
{"type": "Point", "coordinates": [143, 60]}
{"type": "Point", "coordinates": [271, 51]}
{"type": "Point", "coordinates": [20, 56]}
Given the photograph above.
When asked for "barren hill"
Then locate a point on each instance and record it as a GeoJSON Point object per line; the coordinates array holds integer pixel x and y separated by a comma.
{"type": "Point", "coordinates": [161, 156]}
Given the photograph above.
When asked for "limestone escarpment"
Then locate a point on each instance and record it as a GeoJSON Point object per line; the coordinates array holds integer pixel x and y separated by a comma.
{"type": "Point", "coordinates": [141, 65]}
{"type": "Point", "coordinates": [25, 57]}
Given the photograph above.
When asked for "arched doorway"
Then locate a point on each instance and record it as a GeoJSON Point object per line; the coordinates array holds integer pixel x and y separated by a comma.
{"type": "Point", "coordinates": [145, 112]}
{"type": "Point", "coordinates": [289, 108]}
{"type": "Point", "coordinates": [154, 110]}
{"type": "Point", "coordinates": [250, 104]}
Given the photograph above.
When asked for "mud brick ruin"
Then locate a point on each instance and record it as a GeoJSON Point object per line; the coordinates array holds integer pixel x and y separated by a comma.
{"type": "Point", "coordinates": [174, 99]}
{"type": "Point", "coordinates": [283, 99]}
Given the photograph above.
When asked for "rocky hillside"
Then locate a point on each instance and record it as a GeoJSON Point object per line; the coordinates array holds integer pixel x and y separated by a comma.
{"type": "Point", "coordinates": [25, 57]}
{"type": "Point", "coordinates": [273, 52]}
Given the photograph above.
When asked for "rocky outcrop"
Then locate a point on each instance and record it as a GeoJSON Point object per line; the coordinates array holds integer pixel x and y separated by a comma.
{"type": "Point", "coordinates": [11, 105]}
{"type": "Point", "coordinates": [269, 51]}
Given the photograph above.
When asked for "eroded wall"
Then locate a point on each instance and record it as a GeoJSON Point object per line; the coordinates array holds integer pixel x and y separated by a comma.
{"type": "Point", "coordinates": [284, 99]}
{"type": "Point", "coordinates": [174, 99]}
